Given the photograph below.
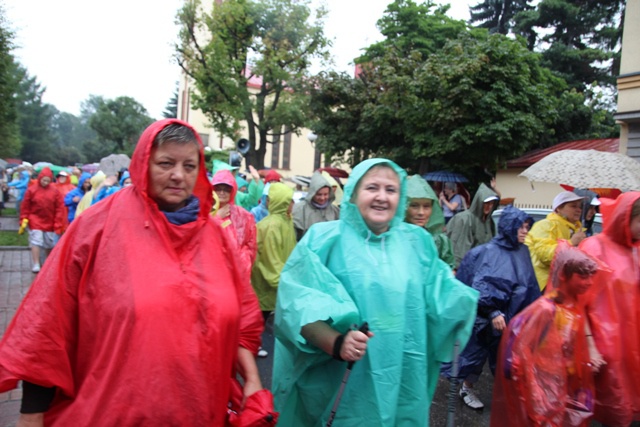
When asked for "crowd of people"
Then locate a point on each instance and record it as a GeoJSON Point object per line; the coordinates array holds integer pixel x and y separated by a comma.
{"type": "Point", "coordinates": [152, 301]}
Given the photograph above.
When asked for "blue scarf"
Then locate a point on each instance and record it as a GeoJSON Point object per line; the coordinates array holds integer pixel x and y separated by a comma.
{"type": "Point", "coordinates": [185, 215]}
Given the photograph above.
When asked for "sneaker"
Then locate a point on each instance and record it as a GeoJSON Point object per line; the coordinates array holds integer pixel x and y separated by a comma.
{"type": "Point", "coordinates": [262, 352]}
{"type": "Point", "coordinates": [36, 268]}
{"type": "Point", "coordinates": [470, 398]}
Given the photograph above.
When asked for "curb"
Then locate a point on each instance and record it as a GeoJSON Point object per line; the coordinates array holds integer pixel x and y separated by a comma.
{"type": "Point", "coordinates": [14, 248]}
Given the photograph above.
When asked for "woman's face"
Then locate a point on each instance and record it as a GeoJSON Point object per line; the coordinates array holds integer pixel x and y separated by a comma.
{"type": "Point", "coordinates": [321, 196]}
{"type": "Point", "coordinates": [578, 284]}
{"type": "Point", "coordinates": [378, 194]}
{"type": "Point", "coordinates": [571, 210]}
{"type": "Point", "coordinates": [419, 211]}
{"type": "Point", "coordinates": [224, 193]}
{"type": "Point", "coordinates": [173, 171]}
{"type": "Point", "coordinates": [62, 179]}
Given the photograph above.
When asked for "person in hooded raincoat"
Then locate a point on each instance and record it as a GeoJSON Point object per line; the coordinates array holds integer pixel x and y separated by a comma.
{"type": "Point", "coordinates": [276, 240]}
{"type": "Point", "coordinates": [501, 271]}
{"type": "Point", "coordinates": [317, 207]}
{"type": "Point", "coordinates": [73, 197]}
{"type": "Point", "coordinates": [561, 224]}
{"type": "Point", "coordinates": [614, 311]}
{"type": "Point", "coordinates": [89, 197]}
{"type": "Point", "coordinates": [21, 185]}
{"type": "Point", "coordinates": [424, 211]}
{"type": "Point", "coordinates": [368, 266]}
{"type": "Point", "coordinates": [44, 210]}
{"type": "Point", "coordinates": [260, 212]}
{"type": "Point", "coordinates": [236, 220]}
{"type": "Point", "coordinates": [139, 317]}
{"type": "Point", "coordinates": [249, 199]}
{"type": "Point", "coordinates": [590, 205]}
{"type": "Point", "coordinates": [473, 226]}
{"type": "Point", "coordinates": [335, 187]}
{"type": "Point", "coordinates": [63, 184]}
{"type": "Point", "coordinates": [544, 375]}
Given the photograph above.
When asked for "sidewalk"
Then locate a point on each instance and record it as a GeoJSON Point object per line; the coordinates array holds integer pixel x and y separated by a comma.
{"type": "Point", "coordinates": [15, 279]}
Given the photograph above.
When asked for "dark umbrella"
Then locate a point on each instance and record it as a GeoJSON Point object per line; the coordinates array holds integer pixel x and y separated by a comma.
{"type": "Point", "coordinates": [444, 176]}
{"type": "Point", "coordinates": [258, 409]}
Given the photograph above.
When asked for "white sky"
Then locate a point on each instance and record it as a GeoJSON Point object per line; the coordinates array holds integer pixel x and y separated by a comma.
{"type": "Point", "coordinates": [77, 48]}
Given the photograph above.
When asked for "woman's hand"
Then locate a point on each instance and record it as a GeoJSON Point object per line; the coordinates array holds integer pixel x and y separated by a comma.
{"type": "Point", "coordinates": [597, 361]}
{"type": "Point", "coordinates": [578, 237]}
{"type": "Point", "coordinates": [31, 420]}
{"type": "Point", "coordinates": [354, 345]}
{"type": "Point", "coordinates": [224, 211]}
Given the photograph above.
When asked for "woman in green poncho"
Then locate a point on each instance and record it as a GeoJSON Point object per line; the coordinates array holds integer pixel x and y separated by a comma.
{"type": "Point", "coordinates": [424, 211]}
{"type": "Point", "coordinates": [368, 266]}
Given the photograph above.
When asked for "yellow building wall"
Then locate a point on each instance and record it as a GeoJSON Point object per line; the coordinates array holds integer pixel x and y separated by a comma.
{"type": "Point", "coordinates": [511, 185]}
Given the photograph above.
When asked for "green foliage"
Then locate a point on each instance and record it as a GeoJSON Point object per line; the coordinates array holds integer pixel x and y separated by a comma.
{"type": "Point", "coordinates": [409, 27]}
{"type": "Point", "coordinates": [9, 129]}
{"type": "Point", "coordinates": [579, 39]}
{"type": "Point", "coordinates": [480, 100]}
{"type": "Point", "coordinates": [118, 122]}
{"type": "Point", "coordinates": [34, 118]}
{"type": "Point", "coordinates": [497, 15]}
{"type": "Point", "coordinates": [249, 61]}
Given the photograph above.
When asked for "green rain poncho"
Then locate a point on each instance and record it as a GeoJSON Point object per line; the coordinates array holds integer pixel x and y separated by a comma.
{"type": "Point", "coordinates": [418, 188]}
{"type": "Point", "coordinates": [342, 273]}
{"type": "Point", "coordinates": [467, 229]}
{"type": "Point", "coordinates": [276, 240]}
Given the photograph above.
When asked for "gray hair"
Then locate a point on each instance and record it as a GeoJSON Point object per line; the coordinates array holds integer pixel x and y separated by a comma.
{"type": "Point", "coordinates": [176, 134]}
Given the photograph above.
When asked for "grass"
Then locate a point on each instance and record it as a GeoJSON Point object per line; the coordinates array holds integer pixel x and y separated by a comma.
{"type": "Point", "coordinates": [8, 212]}
{"type": "Point", "coordinates": [12, 238]}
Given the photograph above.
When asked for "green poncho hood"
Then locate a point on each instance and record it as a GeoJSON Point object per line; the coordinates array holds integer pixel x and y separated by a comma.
{"type": "Point", "coordinates": [418, 188]}
{"type": "Point", "coordinates": [280, 197]}
{"type": "Point", "coordinates": [349, 210]}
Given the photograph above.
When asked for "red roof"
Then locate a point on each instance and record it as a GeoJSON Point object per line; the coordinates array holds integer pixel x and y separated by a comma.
{"type": "Point", "coordinates": [611, 145]}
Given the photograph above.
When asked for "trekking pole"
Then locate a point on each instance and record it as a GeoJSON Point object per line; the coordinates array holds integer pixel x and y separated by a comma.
{"type": "Point", "coordinates": [453, 387]}
{"type": "Point", "coordinates": [364, 329]}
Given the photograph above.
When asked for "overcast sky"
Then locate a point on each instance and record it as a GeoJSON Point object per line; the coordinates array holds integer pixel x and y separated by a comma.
{"type": "Point", "coordinates": [78, 48]}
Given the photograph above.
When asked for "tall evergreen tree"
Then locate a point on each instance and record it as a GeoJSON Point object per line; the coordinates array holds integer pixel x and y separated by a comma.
{"type": "Point", "coordinates": [171, 110]}
{"type": "Point", "coordinates": [579, 39]}
{"type": "Point", "coordinates": [34, 118]}
{"type": "Point", "coordinates": [497, 15]}
{"type": "Point", "coordinates": [9, 129]}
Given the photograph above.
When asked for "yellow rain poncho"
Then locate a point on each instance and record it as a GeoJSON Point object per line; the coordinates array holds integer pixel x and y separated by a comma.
{"type": "Point", "coordinates": [342, 273]}
{"type": "Point", "coordinates": [276, 240]}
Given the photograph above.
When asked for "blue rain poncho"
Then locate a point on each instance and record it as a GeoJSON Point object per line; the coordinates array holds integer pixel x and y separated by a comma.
{"type": "Point", "coordinates": [342, 273]}
{"type": "Point", "coordinates": [501, 271]}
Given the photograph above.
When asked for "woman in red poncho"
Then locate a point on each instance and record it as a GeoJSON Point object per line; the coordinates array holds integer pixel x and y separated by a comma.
{"type": "Point", "coordinates": [139, 317]}
{"type": "Point", "coordinates": [544, 375]}
{"type": "Point", "coordinates": [45, 214]}
{"type": "Point", "coordinates": [614, 311]}
{"type": "Point", "coordinates": [235, 219]}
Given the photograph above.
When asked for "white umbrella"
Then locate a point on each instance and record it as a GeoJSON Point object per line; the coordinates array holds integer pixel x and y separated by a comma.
{"type": "Point", "coordinates": [587, 169]}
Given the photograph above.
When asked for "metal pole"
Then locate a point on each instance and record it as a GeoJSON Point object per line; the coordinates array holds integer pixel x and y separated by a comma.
{"type": "Point", "coordinates": [453, 387]}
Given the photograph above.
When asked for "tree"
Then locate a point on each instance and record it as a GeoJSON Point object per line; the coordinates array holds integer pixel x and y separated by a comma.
{"type": "Point", "coordinates": [171, 110]}
{"type": "Point", "coordinates": [34, 118]}
{"type": "Point", "coordinates": [479, 101]}
{"type": "Point", "coordinates": [249, 61]}
{"type": "Point", "coordinates": [70, 133]}
{"type": "Point", "coordinates": [409, 27]}
{"type": "Point", "coordinates": [497, 15]}
{"type": "Point", "coordinates": [118, 122]}
{"type": "Point", "coordinates": [579, 39]}
{"type": "Point", "coordinates": [9, 130]}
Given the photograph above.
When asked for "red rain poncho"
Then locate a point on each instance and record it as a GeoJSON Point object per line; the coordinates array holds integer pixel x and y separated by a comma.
{"type": "Point", "coordinates": [614, 314]}
{"type": "Point", "coordinates": [240, 224]}
{"type": "Point", "coordinates": [43, 206]}
{"type": "Point", "coordinates": [134, 320]}
{"type": "Point", "coordinates": [544, 375]}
